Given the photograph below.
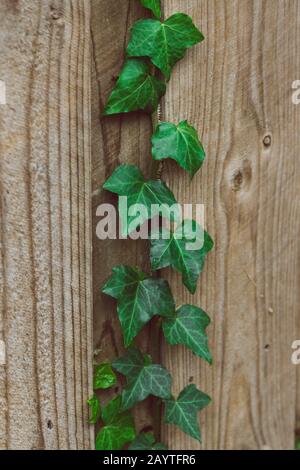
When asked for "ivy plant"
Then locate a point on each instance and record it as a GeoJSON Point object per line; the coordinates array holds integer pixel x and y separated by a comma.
{"type": "Point", "coordinates": [171, 250]}
{"type": "Point", "coordinates": [146, 441]}
{"type": "Point", "coordinates": [135, 89]}
{"type": "Point", "coordinates": [182, 411]}
{"type": "Point", "coordinates": [187, 326]}
{"type": "Point", "coordinates": [104, 377]}
{"type": "Point", "coordinates": [139, 299]}
{"type": "Point", "coordinates": [143, 378]}
{"type": "Point", "coordinates": [118, 427]}
{"type": "Point", "coordinates": [179, 142]}
{"type": "Point", "coordinates": [154, 6]}
{"type": "Point", "coordinates": [163, 42]}
{"type": "Point", "coordinates": [95, 412]}
{"type": "Point", "coordinates": [155, 46]}
{"type": "Point", "coordinates": [128, 180]}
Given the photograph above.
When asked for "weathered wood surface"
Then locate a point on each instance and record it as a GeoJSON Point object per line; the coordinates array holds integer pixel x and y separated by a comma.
{"type": "Point", "coordinates": [236, 89]}
{"type": "Point", "coordinates": [45, 263]}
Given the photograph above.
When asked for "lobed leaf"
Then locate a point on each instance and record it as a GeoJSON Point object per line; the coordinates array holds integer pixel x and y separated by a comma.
{"type": "Point", "coordinates": [183, 411]}
{"type": "Point", "coordinates": [164, 43]}
{"type": "Point", "coordinates": [95, 409]}
{"type": "Point", "coordinates": [154, 6]}
{"type": "Point", "coordinates": [143, 378]}
{"type": "Point", "coordinates": [139, 299]}
{"type": "Point", "coordinates": [128, 180]}
{"type": "Point", "coordinates": [188, 327]}
{"type": "Point", "coordinates": [146, 441]}
{"type": "Point", "coordinates": [104, 377]}
{"type": "Point", "coordinates": [118, 428]}
{"type": "Point", "coordinates": [136, 89]}
{"type": "Point", "coordinates": [179, 142]}
{"type": "Point", "coordinates": [172, 251]}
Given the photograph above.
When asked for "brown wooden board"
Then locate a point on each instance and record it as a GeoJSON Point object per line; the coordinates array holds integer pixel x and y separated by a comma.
{"type": "Point", "coordinates": [45, 225]}
{"type": "Point", "coordinates": [236, 89]}
{"type": "Point", "coordinates": [59, 61]}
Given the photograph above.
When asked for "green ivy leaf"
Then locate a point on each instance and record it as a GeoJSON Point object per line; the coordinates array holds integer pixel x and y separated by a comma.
{"type": "Point", "coordinates": [165, 43]}
{"type": "Point", "coordinates": [136, 89]}
{"type": "Point", "coordinates": [154, 6]}
{"type": "Point", "coordinates": [95, 409]}
{"type": "Point", "coordinates": [172, 251]}
{"type": "Point", "coordinates": [188, 327]}
{"type": "Point", "coordinates": [143, 378]}
{"type": "Point", "coordinates": [139, 299]}
{"type": "Point", "coordinates": [183, 411]}
{"type": "Point", "coordinates": [128, 180]}
{"type": "Point", "coordinates": [146, 441]}
{"type": "Point", "coordinates": [179, 142]}
{"type": "Point", "coordinates": [104, 377]}
{"type": "Point", "coordinates": [119, 427]}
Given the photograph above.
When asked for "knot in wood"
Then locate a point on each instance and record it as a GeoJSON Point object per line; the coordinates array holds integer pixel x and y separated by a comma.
{"type": "Point", "coordinates": [267, 140]}
{"type": "Point", "coordinates": [241, 177]}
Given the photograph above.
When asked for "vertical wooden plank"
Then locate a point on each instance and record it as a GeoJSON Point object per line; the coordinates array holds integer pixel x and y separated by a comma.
{"type": "Point", "coordinates": [236, 89]}
{"type": "Point", "coordinates": [116, 140]}
{"type": "Point", "coordinates": [45, 292]}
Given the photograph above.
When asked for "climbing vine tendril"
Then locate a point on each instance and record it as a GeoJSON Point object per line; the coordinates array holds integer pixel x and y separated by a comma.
{"type": "Point", "coordinates": [154, 48]}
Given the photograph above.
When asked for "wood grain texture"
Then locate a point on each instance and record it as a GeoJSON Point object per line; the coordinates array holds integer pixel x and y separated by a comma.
{"type": "Point", "coordinates": [115, 140]}
{"type": "Point", "coordinates": [236, 89]}
{"type": "Point", "coordinates": [45, 244]}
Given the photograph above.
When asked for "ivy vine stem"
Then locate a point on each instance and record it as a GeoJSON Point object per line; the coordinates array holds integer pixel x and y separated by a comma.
{"type": "Point", "coordinates": [156, 173]}
{"type": "Point", "coordinates": [156, 341]}
{"type": "Point", "coordinates": [155, 46]}
{"type": "Point", "coordinates": [156, 166]}
{"type": "Point", "coordinates": [156, 335]}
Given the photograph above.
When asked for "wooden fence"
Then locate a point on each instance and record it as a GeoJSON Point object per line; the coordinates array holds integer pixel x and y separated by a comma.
{"type": "Point", "coordinates": [59, 60]}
